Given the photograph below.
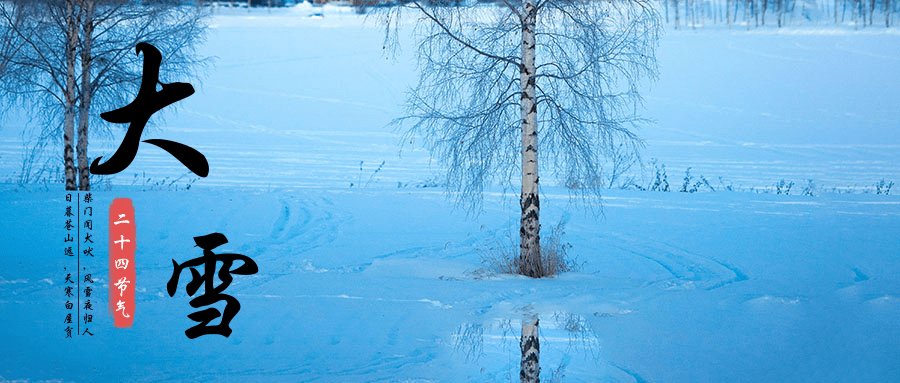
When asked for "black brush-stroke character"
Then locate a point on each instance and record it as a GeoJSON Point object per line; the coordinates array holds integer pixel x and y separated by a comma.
{"type": "Point", "coordinates": [211, 292]}
{"type": "Point", "coordinates": [138, 112]}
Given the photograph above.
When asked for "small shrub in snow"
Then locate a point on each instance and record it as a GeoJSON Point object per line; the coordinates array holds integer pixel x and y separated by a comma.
{"type": "Point", "coordinates": [359, 176]}
{"type": "Point", "coordinates": [692, 185]}
{"type": "Point", "coordinates": [723, 186]}
{"type": "Point", "coordinates": [661, 179]}
{"type": "Point", "coordinates": [687, 181]}
{"type": "Point", "coordinates": [882, 187]}
{"type": "Point", "coordinates": [784, 187]}
{"type": "Point", "coordinates": [555, 252]}
{"type": "Point", "coordinates": [555, 257]}
{"type": "Point", "coordinates": [810, 189]}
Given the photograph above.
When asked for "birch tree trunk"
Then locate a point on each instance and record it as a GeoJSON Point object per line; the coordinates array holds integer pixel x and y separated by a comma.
{"type": "Point", "coordinates": [675, 8]}
{"type": "Point", "coordinates": [70, 96]}
{"type": "Point", "coordinates": [887, 13]}
{"type": "Point", "coordinates": [836, 12]}
{"type": "Point", "coordinates": [780, 12]}
{"type": "Point", "coordinates": [687, 13]}
{"type": "Point", "coordinates": [747, 13]}
{"type": "Point", "coordinates": [871, 11]}
{"type": "Point", "coordinates": [84, 181]}
{"type": "Point", "coordinates": [728, 12]}
{"type": "Point", "coordinates": [530, 371]}
{"type": "Point", "coordinates": [755, 13]}
{"type": "Point", "coordinates": [529, 231]}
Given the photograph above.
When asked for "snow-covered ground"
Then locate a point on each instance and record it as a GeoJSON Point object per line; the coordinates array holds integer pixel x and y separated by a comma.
{"type": "Point", "coordinates": [378, 286]}
{"type": "Point", "coordinates": [383, 281]}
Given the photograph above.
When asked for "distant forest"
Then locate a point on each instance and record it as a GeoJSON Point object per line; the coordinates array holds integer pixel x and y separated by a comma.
{"type": "Point", "coordinates": [695, 13]}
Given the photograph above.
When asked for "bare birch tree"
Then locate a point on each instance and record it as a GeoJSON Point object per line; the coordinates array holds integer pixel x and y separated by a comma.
{"type": "Point", "coordinates": [68, 58]}
{"type": "Point", "coordinates": [495, 78]}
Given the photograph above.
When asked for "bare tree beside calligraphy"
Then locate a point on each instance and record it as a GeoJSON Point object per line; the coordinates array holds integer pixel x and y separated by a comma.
{"type": "Point", "coordinates": [66, 61]}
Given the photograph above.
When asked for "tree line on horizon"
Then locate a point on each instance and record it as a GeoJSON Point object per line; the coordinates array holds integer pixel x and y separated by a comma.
{"type": "Point", "coordinates": [684, 13]}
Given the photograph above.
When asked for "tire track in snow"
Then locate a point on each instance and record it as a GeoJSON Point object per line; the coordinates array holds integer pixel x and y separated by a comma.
{"type": "Point", "coordinates": [634, 375]}
{"type": "Point", "coordinates": [687, 269]}
{"type": "Point", "coordinates": [302, 225]}
{"type": "Point", "coordinates": [448, 250]}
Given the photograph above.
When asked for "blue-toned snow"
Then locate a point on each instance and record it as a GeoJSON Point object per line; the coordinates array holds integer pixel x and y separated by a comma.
{"type": "Point", "coordinates": [384, 282]}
